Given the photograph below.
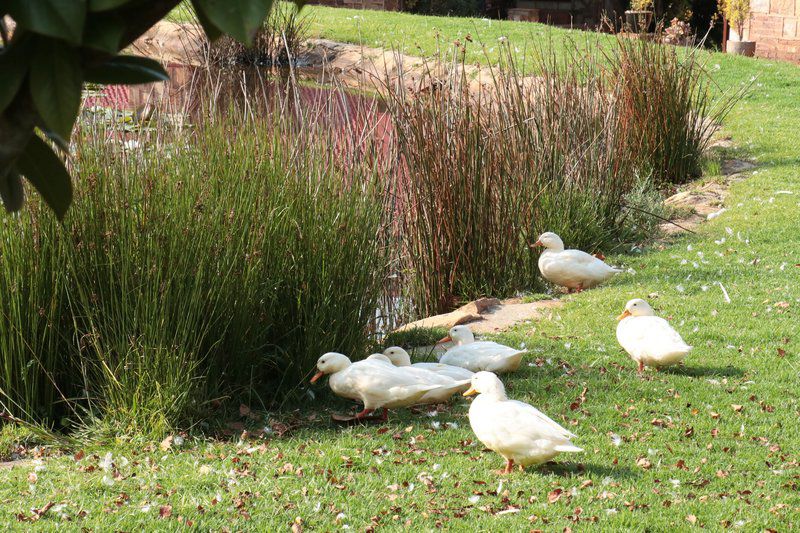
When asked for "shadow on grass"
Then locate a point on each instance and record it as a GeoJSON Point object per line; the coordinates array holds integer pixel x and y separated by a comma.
{"type": "Point", "coordinates": [580, 469]}
{"type": "Point", "coordinates": [701, 371]}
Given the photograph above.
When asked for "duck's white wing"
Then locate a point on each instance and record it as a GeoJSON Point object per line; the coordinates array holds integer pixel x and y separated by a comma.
{"type": "Point", "coordinates": [377, 383]}
{"type": "Point", "coordinates": [578, 257]}
{"type": "Point", "coordinates": [454, 372]}
{"type": "Point", "coordinates": [652, 334]}
{"type": "Point", "coordinates": [424, 375]}
{"type": "Point", "coordinates": [494, 348]}
{"type": "Point", "coordinates": [481, 355]}
{"type": "Point", "coordinates": [515, 425]}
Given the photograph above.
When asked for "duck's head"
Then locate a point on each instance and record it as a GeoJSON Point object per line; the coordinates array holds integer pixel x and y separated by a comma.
{"type": "Point", "coordinates": [636, 307]}
{"type": "Point", "coordinates": [380, 358]}
{"type": "Point", "coordinates": [551, 241]}
{"type": "Point", "coordinates": [330, 363]}
{"type": "Point", "coordinates": [486, 383]}
{"type": "Point", "coordinates": [459, 335]}
{"type": "Point", "coordinates": [398, 356]}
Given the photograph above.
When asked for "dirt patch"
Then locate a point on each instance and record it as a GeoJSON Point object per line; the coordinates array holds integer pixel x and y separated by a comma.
{"type": "Point", "coordinates": [8, 465]}
{"type": "Point", "coordinates": [350, 64]}
{"type": "Point", "coordinates": [487, 315]}
{"type": "Point", "coordinates": [171, 42]}
{"type": "Point", "coordinates": [705, 201]}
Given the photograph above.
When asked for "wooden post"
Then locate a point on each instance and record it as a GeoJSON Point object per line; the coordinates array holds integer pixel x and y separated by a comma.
{"type": "Point", "coordinates": [724, 34]}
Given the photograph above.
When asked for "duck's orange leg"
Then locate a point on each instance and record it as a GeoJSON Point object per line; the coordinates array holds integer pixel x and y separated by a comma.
{"type": "Point", "coordinates": [363, 413]}
{"type": "Point", "coordinates": [509, 466]}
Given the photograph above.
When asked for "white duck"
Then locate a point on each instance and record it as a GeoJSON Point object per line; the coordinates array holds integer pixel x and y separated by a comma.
{"type": "Point", "coordinates": [479, 355]}
{"type": "Point", "coordinates": [518, 431]}
{"type": "Point", "coordinates": [573, 269]}
{"type": "Point", "coordinates": [445, 385]}
{"type": "Point", "coordinates": [399, 357]}
{"type": "Point", "coordinates": [376, 383]}
{"type": "Point", "coordinates": [648, 339]}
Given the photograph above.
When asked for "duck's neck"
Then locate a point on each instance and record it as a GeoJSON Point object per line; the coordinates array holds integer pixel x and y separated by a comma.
{"type": "Point", "coordinates": [554, 249]}
{"type": "Point", "coordinates": [497, 395]}
{"type": "Point", "coordinates": [465, 339]}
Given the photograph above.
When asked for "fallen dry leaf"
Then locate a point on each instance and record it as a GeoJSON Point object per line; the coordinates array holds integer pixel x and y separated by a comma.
{"type": "Point", "coordinates": [166, 444]}
{"type": "Point", "coordinates": [554, 495]}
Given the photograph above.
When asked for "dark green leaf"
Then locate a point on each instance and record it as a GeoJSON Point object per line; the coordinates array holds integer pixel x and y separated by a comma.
{"type": "Point", "coordinates": [105, 5]}
{"type": "Point", "coordinates": [11, 191]}
{"type": "Point", "coordinates": [127, 70]}
{"type": "Point", "coordinates": [56, 18]}
{"type": "Point", "coordinates": [104, 32]}
{"type": "Point", "coordinates": [42, 167]}
{"type": "Point", "coordinates": [14, 63]}
{"type": "Point", "coordinates": [238, 18]}
{"type": "Point", "coordinates": [212, 32]}
{"type": "Point", "coordinates": [57, 139]}
{"type": "Point", "coordinates": [55, 84]}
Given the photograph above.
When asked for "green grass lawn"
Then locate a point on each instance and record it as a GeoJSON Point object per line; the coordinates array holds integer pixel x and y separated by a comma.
{"type": "Point", "coordinates": [713, 444]}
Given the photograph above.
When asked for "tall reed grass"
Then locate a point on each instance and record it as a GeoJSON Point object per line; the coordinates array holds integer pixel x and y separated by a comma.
{"type": "Point", "coordinates": [666, 99]}
{"type": "Point", "coordinates": [487, 170]}
{"type": "Point", "coordinates": [222, 261]}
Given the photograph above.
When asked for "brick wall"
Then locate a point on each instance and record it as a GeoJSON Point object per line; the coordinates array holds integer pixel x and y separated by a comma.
{"type": "Point", "coordinates": [775, 27]}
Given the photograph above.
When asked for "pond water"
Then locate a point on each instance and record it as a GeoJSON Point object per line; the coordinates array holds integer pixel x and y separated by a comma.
{"type": "Point", "coordinates": [192, 91]}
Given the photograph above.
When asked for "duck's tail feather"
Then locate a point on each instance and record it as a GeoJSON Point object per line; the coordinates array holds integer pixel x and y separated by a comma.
{"type": "Point", "coordinates": [567, 448]}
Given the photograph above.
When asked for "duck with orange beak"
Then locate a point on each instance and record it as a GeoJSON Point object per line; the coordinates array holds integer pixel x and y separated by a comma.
{"type": "Point", "coordinates": [519, 432]}
{"type": "Point", "coordinates": [479, 355]}
{"type": "Point", "coordinates": [376, 383]}
{"type": "Point", "coordinates": [574, 269]}
{"type": "Point", "coordinates": [649, 340]}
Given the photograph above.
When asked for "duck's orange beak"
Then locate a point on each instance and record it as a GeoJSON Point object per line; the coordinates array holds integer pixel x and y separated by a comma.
{"type": "Point", "coordinates": [317, 376]}
{"type": "Point", "coordinates": [444, 339]}
{"type": "Point", "coordinates": [625, 314]}
{"type": "Point", "coordinates": [470, 392]}
{"type": "Point", "coordinates": [537, 243]}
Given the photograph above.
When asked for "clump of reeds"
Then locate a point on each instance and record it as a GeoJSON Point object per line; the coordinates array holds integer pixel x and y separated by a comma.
{"type": "Point", "coordinates": [206, 262]}
{"type": "Point", "coordinates": [666, 99]}
{"type": "Point", "coordinates": [277, 43]}
{"type": "Point", "coordinates": [485, 171]}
